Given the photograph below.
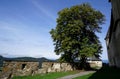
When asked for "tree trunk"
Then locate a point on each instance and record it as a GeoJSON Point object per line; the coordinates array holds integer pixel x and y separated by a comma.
{"type": "Point", "coordinates": [83, 64]}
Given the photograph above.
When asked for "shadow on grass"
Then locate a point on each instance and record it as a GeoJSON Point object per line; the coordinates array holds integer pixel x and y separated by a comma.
{"type": "Point", "coordinates": [106, 72]}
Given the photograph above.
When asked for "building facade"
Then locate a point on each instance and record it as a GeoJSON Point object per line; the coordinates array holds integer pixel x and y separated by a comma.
{"type": "Point", "coordinates": [113, 35]}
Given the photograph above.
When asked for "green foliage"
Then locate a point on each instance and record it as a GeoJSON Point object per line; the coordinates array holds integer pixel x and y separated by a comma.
{"type": "Point", "coordinates": [53, 75]}
{"type": "Point", "coordinates": [75, 32]}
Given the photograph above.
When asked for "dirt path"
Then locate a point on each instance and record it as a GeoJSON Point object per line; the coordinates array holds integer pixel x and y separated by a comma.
{"type": "Point", "coordinates": [76, 75]}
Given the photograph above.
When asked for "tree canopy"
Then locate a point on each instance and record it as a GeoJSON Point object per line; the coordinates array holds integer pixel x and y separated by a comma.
{"type": "Point", "coordinates": [75, 33]}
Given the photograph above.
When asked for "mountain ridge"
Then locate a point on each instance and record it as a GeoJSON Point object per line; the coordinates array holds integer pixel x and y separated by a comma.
{"type": "Point", "coordinates": [25, 59]}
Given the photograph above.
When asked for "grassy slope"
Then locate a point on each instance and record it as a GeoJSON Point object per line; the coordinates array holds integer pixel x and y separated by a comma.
{"type": "Point", "coordinates": [104, 73]}
{"type": "Point", "coordinates": [47, 76]}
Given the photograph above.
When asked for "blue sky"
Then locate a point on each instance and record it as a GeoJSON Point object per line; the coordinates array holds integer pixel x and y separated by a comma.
{"type": "Point", "coordinates": [25, 26]}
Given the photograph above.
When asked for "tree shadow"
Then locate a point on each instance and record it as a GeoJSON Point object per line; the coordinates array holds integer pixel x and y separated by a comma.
{"type": "Point", "coordinates": [106, 72]}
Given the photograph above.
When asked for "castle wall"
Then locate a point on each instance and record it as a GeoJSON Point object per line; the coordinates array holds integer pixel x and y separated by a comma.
{"type": "Point", "coordinates": [54, 67]}
{"type": "Point", "coordinates": [113, 36]}
{"type": "Point", "coordinates": [13, 68]}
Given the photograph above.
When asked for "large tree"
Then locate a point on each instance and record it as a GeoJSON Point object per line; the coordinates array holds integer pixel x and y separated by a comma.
{"type": "Point", "coordinates": [75, 33]}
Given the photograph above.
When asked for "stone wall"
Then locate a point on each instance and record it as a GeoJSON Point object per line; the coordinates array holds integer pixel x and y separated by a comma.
{"type": "Point", "coordinates": [12, 68]}
{"type": "Point", "coordinates": [114, 48]}
{"type": "Point", "coordinates": [54, 67]}
{"type": "Point", "coordinates": [113, 35]}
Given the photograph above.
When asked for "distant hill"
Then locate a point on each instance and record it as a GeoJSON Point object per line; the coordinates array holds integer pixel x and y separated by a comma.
{"type": "Point", "coordinates": [26, 59]}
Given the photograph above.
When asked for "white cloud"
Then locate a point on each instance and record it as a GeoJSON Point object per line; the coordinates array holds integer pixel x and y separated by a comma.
{"type": "Point", "coordinates": [43, 9]}
{"type": "Point", "coordinates": [18, 42]}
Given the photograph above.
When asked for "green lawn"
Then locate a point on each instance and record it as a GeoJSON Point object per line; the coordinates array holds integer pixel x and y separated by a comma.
{"type": "Point", "coordinates": [103, 73]}
{"type": "Point", "coordinates": [47, 76]}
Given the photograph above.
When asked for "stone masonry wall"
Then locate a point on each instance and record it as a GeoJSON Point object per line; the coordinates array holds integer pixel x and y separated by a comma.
{"type": "Point", "coordinates": [12, 68]}
{"type": "Point", "coordinates": [54, 67]}
{"type": "Point", "coordinates": [113, 35]}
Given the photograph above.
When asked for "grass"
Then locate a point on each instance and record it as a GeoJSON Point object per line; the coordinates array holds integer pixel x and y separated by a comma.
{"type": "Point", "coordinates": [105, 72]}
{"type": "Point", "coordinates": [53, 75]}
